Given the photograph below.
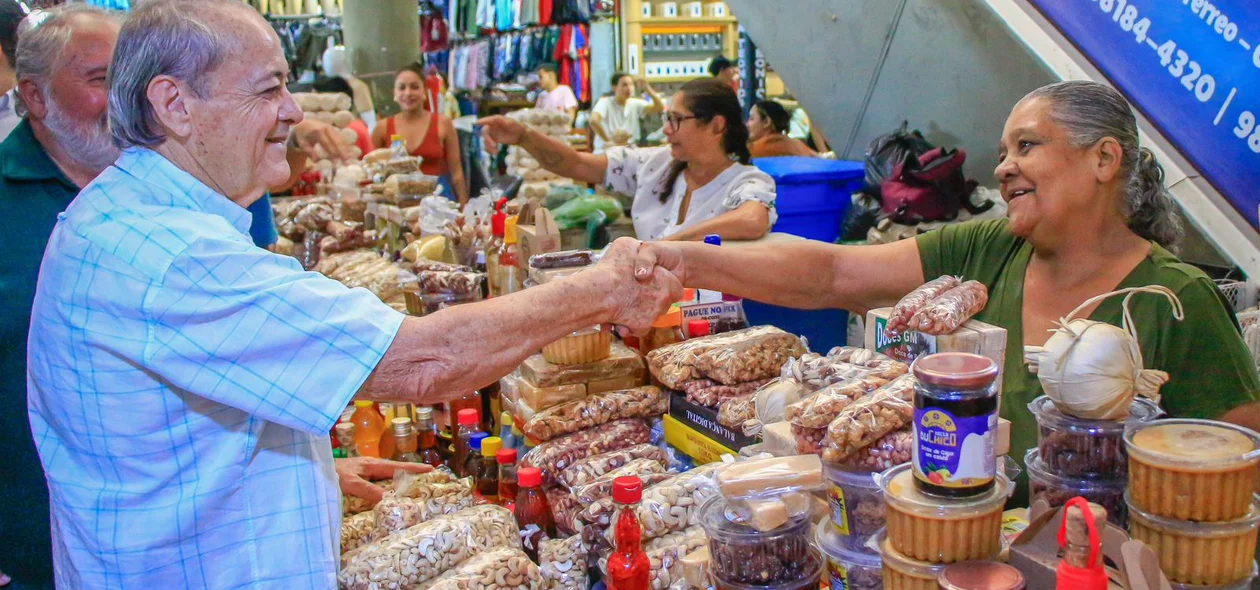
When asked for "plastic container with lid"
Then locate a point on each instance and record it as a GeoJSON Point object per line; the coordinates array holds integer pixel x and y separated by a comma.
{"type": "Point", "coordinates": [666, 330]}
{"type": "Point", "coordinates": [942, 530]}
{"type": "Point", "coordinates": [811, 566]}
{"type": "Point", "coordinates": [1243, 584]}
{"type": "Point", "coordinates": [981, 575]}
{"type": "Point", "coordinates": [1056, 490]}
{"type": "Point", "coordinates": [741, 554]}
{"type": "Point", "coordinates": [846, 569]}
{"type": "Point", "coordinates": [581, 347]}
{"type": "Point", "coordinates": [955, 424]}
{"type": "Point", "coordinates": [905, 573]}
{"type": "Point", "coordinates": [857, 505]}
{"type": "Point", "coordinates": [1075, 447]}
{"type": "Point", "coordinates": [1205, 553]}
{"type": "Point", "coordinates": [1187, 469]}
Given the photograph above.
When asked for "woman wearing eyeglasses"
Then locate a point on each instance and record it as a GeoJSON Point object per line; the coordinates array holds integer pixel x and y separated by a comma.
{"type": "Point", "coordinates": [701, 183]}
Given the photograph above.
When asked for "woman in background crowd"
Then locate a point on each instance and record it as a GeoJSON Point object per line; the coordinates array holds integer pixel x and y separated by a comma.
{"type": "Point", "coordinates": [700, 183]}
{"type": "Point", "coordinates": [768, 125]}
{"type": "Point", "coordinates": [425, 133]}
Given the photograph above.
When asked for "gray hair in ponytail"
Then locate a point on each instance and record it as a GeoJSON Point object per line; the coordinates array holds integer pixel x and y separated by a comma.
{"type": "Point", "coordinates": [1090, 111]}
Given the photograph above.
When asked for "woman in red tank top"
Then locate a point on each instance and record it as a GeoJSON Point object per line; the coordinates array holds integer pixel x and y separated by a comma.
{"type": "Point", "coordinates": [426, 133]}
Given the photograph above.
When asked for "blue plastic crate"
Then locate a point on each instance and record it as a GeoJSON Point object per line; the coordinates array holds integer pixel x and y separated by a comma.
{"type": "Point", "coordinates": [813, 194]}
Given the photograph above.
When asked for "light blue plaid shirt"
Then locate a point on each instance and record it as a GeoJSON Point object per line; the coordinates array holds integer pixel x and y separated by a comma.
{"type": "Point", "coordinates": [182, 384]}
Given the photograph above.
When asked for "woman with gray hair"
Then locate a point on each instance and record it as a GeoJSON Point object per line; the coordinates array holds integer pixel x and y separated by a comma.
{"type": "Point", "coordinates": [1088, 214]}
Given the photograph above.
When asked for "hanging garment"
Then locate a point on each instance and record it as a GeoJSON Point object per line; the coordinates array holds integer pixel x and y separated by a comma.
{"type": "Point", "coordinates": [434, 35]}
{"type": "Point", "coordinates": [503, 14]}
{"type": "Point", "coordinates": [544, 12]}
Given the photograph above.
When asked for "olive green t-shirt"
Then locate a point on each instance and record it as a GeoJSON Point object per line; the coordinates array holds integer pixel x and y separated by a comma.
{"type": "Point", "coordinates": [1211, 370]}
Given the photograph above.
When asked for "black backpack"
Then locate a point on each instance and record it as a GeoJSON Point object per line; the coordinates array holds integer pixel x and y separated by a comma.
{"type": "Point", "coordinates": [887, 151]}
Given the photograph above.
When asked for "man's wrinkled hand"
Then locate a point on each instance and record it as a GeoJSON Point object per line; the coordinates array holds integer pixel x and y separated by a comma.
{"type": "Point", "coordinates": [311, 136]}
{"type": "Point", "coordinates": [500, 130]}
{"type": "Point", "coordinates": [636, 301]}
{"type": "Point", "coordinates": [665, 255]}
{"type": "Point", "coordinates": [355, 475]}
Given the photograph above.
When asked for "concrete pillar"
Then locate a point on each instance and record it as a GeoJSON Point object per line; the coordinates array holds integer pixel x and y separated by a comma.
{"type": "Point", "coordinates": [381, 36]}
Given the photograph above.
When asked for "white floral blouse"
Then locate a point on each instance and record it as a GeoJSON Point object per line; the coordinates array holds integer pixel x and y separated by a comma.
{"type": "Point", "coordinates": [640, 172]}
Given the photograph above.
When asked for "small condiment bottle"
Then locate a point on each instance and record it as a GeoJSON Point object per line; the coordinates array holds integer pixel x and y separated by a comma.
{"type": "Point", "coordinates": [468, 422]}
{"type": "Point", "coordinates": [628, 566]}
{"type": "Point", "coordinates": [405, 442]}
{"type": "Point", "coordinates": [426, 430]}
{"type": "Point", "coordinates": [980, 575]}
{"type": "Point", "coordinates": [472, 463]}
{"type": "Point", "coordinates": [533, 513]}
{"type": "Point", "coordinates": [508, 488]}
{"type": "Point", "coordinates": [488, 469]}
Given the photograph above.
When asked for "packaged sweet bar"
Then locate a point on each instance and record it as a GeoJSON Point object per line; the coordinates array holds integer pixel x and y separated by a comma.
{"type": "Point", "coordinates": [621, 362]}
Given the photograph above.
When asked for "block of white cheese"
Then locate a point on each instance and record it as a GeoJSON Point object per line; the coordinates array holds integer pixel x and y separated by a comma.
{"type": "Point", "coordinates": [771, 477]}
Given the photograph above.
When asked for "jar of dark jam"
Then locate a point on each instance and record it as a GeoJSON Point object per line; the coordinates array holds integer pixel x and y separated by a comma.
{"type": "Point", "coordinates": [955, 424]}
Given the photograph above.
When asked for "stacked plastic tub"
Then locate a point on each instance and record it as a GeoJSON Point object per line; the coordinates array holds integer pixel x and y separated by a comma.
{"type": "Point", "coordinates": [1191, 486]}
{"type": "Point", "coordinates": [846, 538]}
{"type": "Point", "coordinates": [1078, 457]}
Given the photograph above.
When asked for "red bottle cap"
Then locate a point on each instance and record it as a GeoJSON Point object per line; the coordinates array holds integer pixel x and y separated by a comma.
{"type": "Point", "coordinates": [530, 477]}
{"type": "Point", "coordinates": [627, 489]}
{"type": "Point", "coordinates": [506, 456]}
{"type": "Point", "coordinates": [698, 328]}
{"type": "Point", "coordinates": [467, 417]}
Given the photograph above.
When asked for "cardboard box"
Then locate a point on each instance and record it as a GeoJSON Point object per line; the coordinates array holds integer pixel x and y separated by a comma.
{"type": "Point", "coordinates": [699, 447]}
{"type": "Point", "coordinates": [1035, 553]}
{"type": "Point", "coordinates": [536, 233]}
{"type": "Point", "coordinates": [704, 421]}
{"type": "Point", "coordinates": [974, 337]}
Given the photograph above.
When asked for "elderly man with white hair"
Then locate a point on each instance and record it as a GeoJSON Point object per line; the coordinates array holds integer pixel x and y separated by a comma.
{"type": "Point", "coordinates": [182, 381]}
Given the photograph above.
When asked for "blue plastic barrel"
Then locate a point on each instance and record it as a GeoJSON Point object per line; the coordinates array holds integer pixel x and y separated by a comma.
{"type": "Point", "coordinates": [813, 194]}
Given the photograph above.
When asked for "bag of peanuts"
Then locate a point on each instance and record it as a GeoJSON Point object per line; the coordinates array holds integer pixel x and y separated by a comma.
{"type": "Point", "coordinates": [556, 455]}
{"type": "Point", "coordinates": [888, 409]}
{"type": "Point", "coordinates": [818, 410]}
{"type": "Point", "coordinates": [587, 470]}
{"type": "Point", "coordinates": [709, 393]}
{"type": "Point", "coordinates": [564, 510]}
{"type": "Point", "coordinates": [731, 358]}
{"type": "Point", "coordinates": [562, 564]}
{"type": "Point", "coordinates": [423, 552]}
{"type": "Point", "coordinates": [500, 569]}
{"type": "Point", "coordinates": [594, 410]}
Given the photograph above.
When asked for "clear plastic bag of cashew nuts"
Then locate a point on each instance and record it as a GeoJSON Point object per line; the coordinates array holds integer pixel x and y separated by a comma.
{"type": "Point", "coordinates": [356, 530]}
{"type": "Point", "coordinates": [410, 557]}
{"type": "Point", "coordinates": [648, 471]}
{"type": "Point", "coordinates": [665, 556]}
{"type": "Point", "coordinates": [819, 409]}
{"type": "Point", "coordinates": [562, 564]}
{"type": "Point", "coordinates": [413, 502]}
{"type": "Point", "coordinates": [500, 569]}
{"type": "Point", "coordinates": [672, 505]}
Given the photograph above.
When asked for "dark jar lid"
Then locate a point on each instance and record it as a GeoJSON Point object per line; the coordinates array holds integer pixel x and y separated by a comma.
{"type": "Point", "coordinates": [955, 369]}
{"type": "Point", "coordinates": [980, 575]}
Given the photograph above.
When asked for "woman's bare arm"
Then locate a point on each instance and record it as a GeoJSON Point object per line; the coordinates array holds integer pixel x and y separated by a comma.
{"type": "Point", "coordinates": [551, 153]}
{"type": "Point", "coordinates": [802, 274]}
{"type": "Point", "coordinates": [749, 221]}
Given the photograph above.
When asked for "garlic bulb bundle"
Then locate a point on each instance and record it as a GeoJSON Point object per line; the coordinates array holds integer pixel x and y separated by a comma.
{"type": "Point", "coordinates": [1092, 369]}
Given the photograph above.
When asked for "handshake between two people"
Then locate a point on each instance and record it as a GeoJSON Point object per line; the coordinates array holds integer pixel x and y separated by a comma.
{"type": "Point", "coordinates": [641, 280]}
